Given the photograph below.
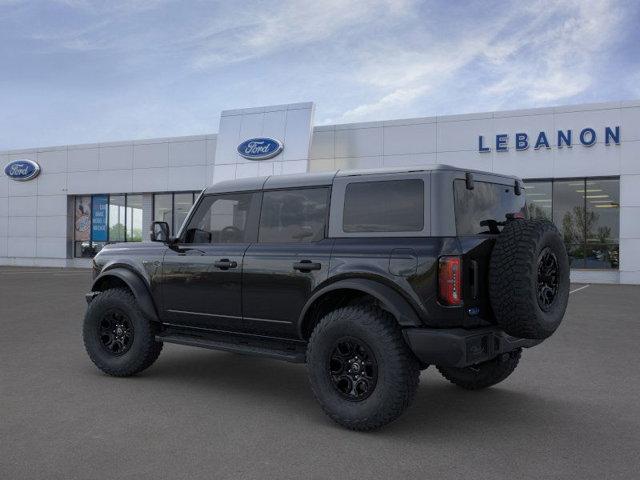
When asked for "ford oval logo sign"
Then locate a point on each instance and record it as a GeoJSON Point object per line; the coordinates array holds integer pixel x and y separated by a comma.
{"type": "Point", "coordinates": [260, 148]}
{"type": "Point", "coordinates": [22, 170]}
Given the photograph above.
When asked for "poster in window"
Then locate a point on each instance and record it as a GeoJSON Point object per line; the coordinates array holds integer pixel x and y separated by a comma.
{"type": "Point", "coordinates": [99, 208]}
{"type": "Point", "coordinates": [83, 219]}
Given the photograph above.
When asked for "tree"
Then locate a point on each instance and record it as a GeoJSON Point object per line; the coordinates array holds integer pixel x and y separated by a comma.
{"type": "Point", "coordinates": [577, 223]}
{"type": "Point", "coordinates": [116, 233]}
{"type": "Point", "coordinates": [536, 212]}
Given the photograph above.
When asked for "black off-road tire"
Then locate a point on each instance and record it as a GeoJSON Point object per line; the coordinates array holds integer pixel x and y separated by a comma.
{"type": "Point", "coordinates": [143, 349]}
{"type": "Point", "coordinates": [484, 374]}
{"type": "Point", "coordinates": [515, 278]}
{"type": "Point", "coordinates": [398, 371]}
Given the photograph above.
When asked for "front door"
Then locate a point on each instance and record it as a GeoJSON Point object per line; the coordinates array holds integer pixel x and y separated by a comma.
{"type": "Point", "coordinates": [289, 260]}
{"type": "Point", "coordinates": [202, 272]}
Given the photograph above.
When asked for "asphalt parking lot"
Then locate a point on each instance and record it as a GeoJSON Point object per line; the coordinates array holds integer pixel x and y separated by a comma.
{"type": "Point", "coordinates": [571, 409]}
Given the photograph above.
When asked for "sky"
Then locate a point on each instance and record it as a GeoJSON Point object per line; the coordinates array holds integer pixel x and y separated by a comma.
{"type": "Point", "coordinates": [80, 71]}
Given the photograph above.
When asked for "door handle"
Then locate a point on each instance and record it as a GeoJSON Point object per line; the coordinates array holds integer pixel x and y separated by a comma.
{"type": "Point", "coordinates": [225, 264]}
{"type": "Point", "coordinates": [306, 266]}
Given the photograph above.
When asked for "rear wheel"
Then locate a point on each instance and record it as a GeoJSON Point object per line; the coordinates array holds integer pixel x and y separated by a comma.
{"type": "Point", "coordinates": [483, 375]}
{"type": "Point", "coordinates": [361, 371]}
{"type": "Point", "coordinates": [118, 338]}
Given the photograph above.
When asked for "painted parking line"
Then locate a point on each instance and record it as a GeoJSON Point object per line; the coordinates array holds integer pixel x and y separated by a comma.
{"type": "Point", "coordinates": [579, 288]}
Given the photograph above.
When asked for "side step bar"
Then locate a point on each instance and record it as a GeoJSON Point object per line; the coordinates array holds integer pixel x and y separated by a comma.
{"type": "Point", "coordinates": [294, 352]}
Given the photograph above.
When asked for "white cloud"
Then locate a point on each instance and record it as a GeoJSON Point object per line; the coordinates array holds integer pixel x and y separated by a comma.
{"type": "Point", "coordinates": [259, 32]}
{"type": "Point", "coordinates": [544, 52]}
{"type": "Point", "coordinates": [554, 63]}
{"type": "Point", "coordinates": [397, 98]}
{"type": "Point", "coordinates": [161, 68]}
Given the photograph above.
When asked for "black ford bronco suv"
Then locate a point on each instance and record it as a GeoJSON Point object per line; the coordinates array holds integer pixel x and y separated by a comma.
{"type": "Point", "coordinates": [366, 276]}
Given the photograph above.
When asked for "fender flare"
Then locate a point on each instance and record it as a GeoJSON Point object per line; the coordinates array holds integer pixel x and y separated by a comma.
{"type": "Point", "coordinates": [391, 300]}
{"type": "Point", "coordinates": [137, 286]}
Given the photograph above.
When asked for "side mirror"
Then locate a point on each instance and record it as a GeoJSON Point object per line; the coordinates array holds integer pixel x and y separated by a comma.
{"type": "Point", "coordinates": [159, 232]}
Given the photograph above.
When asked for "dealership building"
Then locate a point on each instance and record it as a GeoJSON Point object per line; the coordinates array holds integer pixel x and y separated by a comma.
{"type": "Point", "coordinates": [581, 165]}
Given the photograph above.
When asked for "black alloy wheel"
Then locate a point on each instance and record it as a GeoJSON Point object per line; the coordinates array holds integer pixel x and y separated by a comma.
{"type": "Point", "coordinates": [353, 369]}
{"type": "Point", "coordinates": [119, 339]}
{"type": "Point", "coordinates": [116, 332]}
{"type": "Point", "coordinates": [547, 284]}
{"type": "Point", "coordinates": [360, 368]}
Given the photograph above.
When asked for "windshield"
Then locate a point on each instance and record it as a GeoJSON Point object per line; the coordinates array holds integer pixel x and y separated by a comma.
{"type": "Point", "coordinates": [484, 209]}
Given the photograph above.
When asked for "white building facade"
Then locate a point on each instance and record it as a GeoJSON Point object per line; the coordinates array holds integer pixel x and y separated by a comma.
{"type": "Point", "coordinates": [581, 165]}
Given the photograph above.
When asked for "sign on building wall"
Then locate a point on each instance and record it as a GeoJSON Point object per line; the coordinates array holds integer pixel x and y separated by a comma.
{"type": "Point", "coordinates": [22, 170]}
{"type": "Point", "coordinates": [260, 148]}
{"type": "Point", "coordinates": [586, 137]}
{"type": "Point", "coordinates": [82, 229]}
{"type": "Point", "coordinates": [99, 208]}
{"type": "Point", "coordinates": [262, 141]}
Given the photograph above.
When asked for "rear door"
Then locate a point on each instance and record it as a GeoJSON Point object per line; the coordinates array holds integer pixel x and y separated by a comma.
{"type": "Point", "coordinates": [202, 273]}
{"type": "Point", "coordinates": [289, 260]}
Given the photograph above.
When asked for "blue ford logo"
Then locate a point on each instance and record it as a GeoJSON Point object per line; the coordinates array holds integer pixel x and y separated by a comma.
{"type": "Point", "coordinates": [22, 170]}
{"type": "Point", "coordinates": [260, 148]}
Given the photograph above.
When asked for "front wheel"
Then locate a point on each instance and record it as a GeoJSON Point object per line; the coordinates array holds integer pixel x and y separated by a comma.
{"type": "Point", "coordinates": [485, 374]}
{"type": "Point", "coordinates": [361, 371]}
{"type": "Point", "coordinates": [118, 338]}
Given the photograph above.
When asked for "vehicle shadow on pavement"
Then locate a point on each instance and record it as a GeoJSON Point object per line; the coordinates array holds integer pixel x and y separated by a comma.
{"type": "Point", "coordinates": [511, 410]}
{"type": "Point", "coordinates": [440, 410]}
{"type": "Point", "coordinates": [232, 374]}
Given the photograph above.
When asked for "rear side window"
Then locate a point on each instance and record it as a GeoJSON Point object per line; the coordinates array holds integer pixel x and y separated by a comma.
{"type": "Point", "coordinates": [484, 208]}
{"type": "Point", "coordinates": [384, 206]}
{"type": "Point", "coordinates": [293, 215]}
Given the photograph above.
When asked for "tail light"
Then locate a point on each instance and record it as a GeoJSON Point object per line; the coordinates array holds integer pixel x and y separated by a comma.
{"type": "Point", "coordinates": [450, 281]}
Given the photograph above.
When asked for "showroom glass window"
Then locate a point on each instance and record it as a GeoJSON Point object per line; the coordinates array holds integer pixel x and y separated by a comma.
{"type": "Point", "coordinates": [82, 227]}
{"type": "Point", "coordinates": [163, 208]}
{"type": "Point", "coordinates": [134, 218]}
{"type": "Point", "coordinates": [602, 224]}
{"type": "Point", "coordinates": [539, 198]}
{"type": "Point", "coordinates": [587, 214]}
{"type": "Point", "coordinates": [102, 219]}
{"type": "Point", "coordinates": [173, 208]}
{"type": "Point", "coordinates": [117, 218]}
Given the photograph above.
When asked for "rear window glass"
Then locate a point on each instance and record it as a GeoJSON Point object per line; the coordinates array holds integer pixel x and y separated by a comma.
{"type": "Point", "coordinates": [484, 209]}
{"type": "Point", "coordinates": [386, 206]}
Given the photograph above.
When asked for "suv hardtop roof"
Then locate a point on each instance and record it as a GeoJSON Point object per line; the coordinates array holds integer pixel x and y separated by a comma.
{"type": "Point", "coordinates": [326, 178]}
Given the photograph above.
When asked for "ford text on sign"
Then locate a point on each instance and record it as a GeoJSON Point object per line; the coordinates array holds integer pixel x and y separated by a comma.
{"type": "Point", "coordinates": [22, 170]}
{"type": "Point", "coordinates": [260, 148]}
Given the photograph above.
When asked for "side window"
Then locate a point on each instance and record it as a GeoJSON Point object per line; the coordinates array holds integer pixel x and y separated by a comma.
{"type": "Point", "coordinates": [293, 215]}
{"type": "Point", "coordinates": [227, 218]}
{"type": "Point", "coordinates": [384, 206]}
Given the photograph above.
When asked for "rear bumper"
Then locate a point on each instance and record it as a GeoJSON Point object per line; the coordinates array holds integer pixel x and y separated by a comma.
{"type": "Point", "coordinates": [457, 347]}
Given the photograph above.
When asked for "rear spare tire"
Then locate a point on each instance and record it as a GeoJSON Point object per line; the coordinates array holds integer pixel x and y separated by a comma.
{"type": "Point", "coordinates": [529, 278]}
